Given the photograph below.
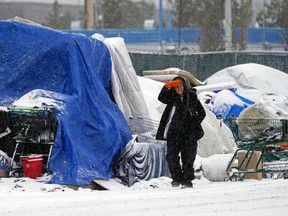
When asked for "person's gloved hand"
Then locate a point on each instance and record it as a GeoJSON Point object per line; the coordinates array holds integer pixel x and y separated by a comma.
{"type": "Point", "coordinates": [173, 83]}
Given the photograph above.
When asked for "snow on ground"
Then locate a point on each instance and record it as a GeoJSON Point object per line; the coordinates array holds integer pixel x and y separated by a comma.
{"type": "Point", "coordinates": [24, 196]}
{"type": "Point", "coordinates": [155, 197]}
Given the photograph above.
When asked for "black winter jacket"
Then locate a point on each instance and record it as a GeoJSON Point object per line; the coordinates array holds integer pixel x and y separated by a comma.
{"type": "Point", "coordinates": [183, 120]}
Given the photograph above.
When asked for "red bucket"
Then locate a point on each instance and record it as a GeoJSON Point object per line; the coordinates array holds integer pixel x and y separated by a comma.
{"type": "Point", "coordinates": [32, 165]}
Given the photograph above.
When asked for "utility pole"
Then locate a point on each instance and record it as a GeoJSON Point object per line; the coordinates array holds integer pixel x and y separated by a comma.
{"type": "Point", "coordinates": [228, 25]}
{"type": "Point", "coordinates": [179, 24]}
{"type": "Point", "coordinates": [161, 24]}
{"type": "Point", "coordinates": [89, 14]}
{"type": "Point", "coordinates": [264, 23]}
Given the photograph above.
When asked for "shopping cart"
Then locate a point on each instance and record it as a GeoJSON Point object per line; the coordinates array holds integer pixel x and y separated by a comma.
{"type": "Point", "coordinates": [141, 151]}
{"type": "Point", "coordinates": [144, 128]}
{"type": "Point", "coordinates": [34, 131]}
{"type": "Point", "coordinates": [262, 147]}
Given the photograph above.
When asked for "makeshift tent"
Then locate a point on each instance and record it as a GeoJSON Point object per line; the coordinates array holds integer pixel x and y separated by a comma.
{"type": "Point", "coordinates": [73, 71]}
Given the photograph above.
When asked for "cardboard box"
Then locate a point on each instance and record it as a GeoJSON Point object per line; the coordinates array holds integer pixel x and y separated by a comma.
{"type": "Point", "coordinates": [3, 173]}
{"type": "Point", "coordinates": [251, 165]}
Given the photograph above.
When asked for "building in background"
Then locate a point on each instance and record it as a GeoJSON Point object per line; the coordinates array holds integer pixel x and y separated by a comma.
{"type": "Point", "coordinates": [38, 10]}
{"type": "Point", "coordinates": [62, 2]}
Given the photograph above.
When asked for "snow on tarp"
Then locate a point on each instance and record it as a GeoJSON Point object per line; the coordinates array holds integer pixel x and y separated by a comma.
{"type": "Point", "coordinates": [253, 84]}
{"type": "Point", "coordinates": [253, 80]}
{"type": "Point", "coordinates": [75, 71]}
{"type": "Point", "coordinates": [226, 103]}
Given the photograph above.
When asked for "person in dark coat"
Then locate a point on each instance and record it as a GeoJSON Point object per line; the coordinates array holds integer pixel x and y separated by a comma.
{"type": "Point", "coordinates": [180, 125]}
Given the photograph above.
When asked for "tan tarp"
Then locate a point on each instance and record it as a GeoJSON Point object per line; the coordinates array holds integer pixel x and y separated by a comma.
{"type": "Point", "coordinates": [170, 74]}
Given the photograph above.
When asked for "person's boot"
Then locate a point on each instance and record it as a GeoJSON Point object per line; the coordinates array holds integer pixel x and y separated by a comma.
{"type": "Point", "coordinates": [187, 185]}
{"type": "Point", "coordinates": [175, 183]}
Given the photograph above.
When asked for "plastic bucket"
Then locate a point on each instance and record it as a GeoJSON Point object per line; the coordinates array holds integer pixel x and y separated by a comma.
{"type": "Point", "coordinates": [32, 165]}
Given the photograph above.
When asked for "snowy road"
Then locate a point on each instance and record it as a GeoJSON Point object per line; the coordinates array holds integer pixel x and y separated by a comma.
{"type": "Point", "coordinates": [250, 197]}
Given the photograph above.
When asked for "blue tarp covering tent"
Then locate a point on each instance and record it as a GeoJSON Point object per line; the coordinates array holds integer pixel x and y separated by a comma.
{"type": "Point", "coordinates": [92, 131]}
{"type": "Point", "coordinates": [235, 110]}
{"type": "Point", "coordinates": [230, 109]}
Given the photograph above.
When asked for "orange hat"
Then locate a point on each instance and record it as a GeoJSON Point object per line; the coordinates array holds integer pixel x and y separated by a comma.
{"type": "Point", "coordinates": [173, 83]}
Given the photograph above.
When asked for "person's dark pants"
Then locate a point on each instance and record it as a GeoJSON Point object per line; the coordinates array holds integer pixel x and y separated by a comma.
{"type": "Point", "coordinates": [188, 149]}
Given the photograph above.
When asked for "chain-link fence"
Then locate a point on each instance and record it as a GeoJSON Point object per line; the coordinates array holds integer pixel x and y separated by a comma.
{"type": "Point", "coordinates": [203, 65]}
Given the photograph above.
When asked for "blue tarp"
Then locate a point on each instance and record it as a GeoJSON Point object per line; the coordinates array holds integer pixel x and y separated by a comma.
{"type": "Point", "coordinates": [235, 110]}
{"type": "Point", "coordinates": [232, 110]}
{"type": "Point", "coordinates": [92, 131]}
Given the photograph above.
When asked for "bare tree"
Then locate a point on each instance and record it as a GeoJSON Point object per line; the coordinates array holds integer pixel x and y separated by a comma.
{"type": "Point", "coordinates": [204, 14]}
{"type": "Point", "coordinates": [125, 13]}
{"type": "Point", "coordinates": [57, 19]}
{"type": "Point", "coordinates": [275, 15]}
{"type": "Point", "coordinates": [245, 17]}
{"type": "Point", "coordinates": [211, 24]}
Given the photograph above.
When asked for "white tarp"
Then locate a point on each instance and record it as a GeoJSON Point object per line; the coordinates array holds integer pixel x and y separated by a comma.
{"type": "Point", "coordinates": [125, 86]}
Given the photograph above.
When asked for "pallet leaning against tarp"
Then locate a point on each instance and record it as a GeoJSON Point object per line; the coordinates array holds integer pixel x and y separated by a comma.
{"type": "Point", "coordinates": [262, 148]}
{"type": "Point", "coordinates": [34, 131]}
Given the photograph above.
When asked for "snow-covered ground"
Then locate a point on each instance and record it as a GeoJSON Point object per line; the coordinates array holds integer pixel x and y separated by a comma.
{"type": "Point", "coordinates": [155, 197]}
{"type": "Point", "coordinates": [266, 197]}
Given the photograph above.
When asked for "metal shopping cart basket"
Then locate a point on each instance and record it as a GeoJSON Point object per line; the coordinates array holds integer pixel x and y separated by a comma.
{"type": "Point", "coordinates": [34, 131]}
{"type": "Point", "coordinates": [144, 128]}
{"type": "Point", "coordinates": [262, 148]}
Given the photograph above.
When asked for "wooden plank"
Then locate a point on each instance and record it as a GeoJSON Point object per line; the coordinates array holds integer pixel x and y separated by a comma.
{"type": "Point", "coordinates": [170, 73]}
{"type": "Point", "coordinates": [110, 184]}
